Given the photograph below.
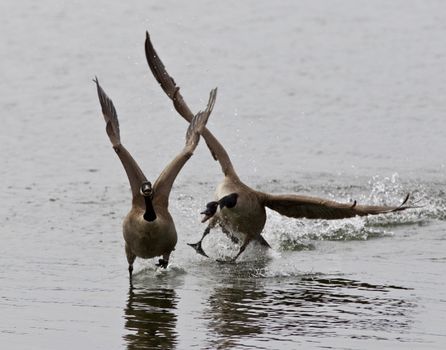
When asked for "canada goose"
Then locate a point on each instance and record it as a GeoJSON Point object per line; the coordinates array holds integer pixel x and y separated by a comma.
{"type": "Point", "coordinates": [242, 209]}
{"type": "Point", "coordinates": [148, 228]}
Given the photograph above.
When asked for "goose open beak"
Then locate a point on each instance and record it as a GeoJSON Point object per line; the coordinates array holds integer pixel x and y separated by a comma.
{"type": "Point", "coordinates": [207, 214]}
{"type": "Point", "coordinates": [205, 218]}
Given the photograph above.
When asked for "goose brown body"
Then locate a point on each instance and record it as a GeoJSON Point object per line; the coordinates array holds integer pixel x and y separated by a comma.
{"type": "Point", "coordinates": [149, 239]}
{"type": "Point", "coordinates": [239, 220]}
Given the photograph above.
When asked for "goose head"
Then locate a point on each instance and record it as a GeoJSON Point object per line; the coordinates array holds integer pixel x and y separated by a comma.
{"type": "Point", "coordinates": [211, 209]}
{"type": "Point", "coordinates": [146, 189]}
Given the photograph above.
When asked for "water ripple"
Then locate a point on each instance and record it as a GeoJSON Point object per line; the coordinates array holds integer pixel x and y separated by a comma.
{"type": "Point", "coordinates": [306, 305]}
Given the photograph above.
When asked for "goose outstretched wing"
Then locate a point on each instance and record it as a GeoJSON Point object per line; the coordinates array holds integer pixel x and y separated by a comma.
{"type": "Point", "coordinates": [297, 206]}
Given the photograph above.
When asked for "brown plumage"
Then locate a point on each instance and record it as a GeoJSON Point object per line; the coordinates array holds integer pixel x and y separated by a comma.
{"type": "Point", "coordinates": [148, 228]}
{"type": "Point", "coordinates": [242, 209]}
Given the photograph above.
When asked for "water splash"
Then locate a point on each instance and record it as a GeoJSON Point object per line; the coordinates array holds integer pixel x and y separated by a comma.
{"type": "Point", "coordinates": [287, 234]}
{"type": "Point", "coordinates": [146, 270]}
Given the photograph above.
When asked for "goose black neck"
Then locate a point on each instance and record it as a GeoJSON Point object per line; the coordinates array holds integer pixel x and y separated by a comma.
{"type": "Point", "coordinates": [150, 214]}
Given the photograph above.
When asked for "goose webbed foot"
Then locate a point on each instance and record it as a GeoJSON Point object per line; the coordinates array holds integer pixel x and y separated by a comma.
{"type": "Point", "coordinates": [162, 263]}
{"type": "Point", "coordinates": [198, 248]}
{"type": "Point", "coordinates": [228, 261]}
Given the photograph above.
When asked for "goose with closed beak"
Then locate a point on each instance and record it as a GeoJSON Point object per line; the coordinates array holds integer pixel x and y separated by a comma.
{"type": "Point", "coordinates": [239, 209]}
{"type": "Point", "coordinates": [149, 230]}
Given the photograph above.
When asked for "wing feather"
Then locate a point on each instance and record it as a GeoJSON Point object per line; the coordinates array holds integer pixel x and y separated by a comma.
{"type": "Point", "coordinates": [297, 206]}
{"type": "Point", "coordinates": [171, 89]}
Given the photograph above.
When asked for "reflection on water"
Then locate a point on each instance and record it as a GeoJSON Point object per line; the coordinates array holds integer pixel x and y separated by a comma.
{"type": "Point", "coordinates": [313, 306]}
{"type": "Point", "coordinates": [150, 318]}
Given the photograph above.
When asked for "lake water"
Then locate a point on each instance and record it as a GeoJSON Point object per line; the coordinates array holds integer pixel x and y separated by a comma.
{"type": "Point", "coordinates": [340, 99]}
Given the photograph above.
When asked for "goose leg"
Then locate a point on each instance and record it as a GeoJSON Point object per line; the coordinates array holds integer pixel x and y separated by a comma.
{"type": "Point", "coordinates": [233, 238]}
{"type": "Point", "coordinates": [164, 261]}
{"type": "Point", "coordinates": [197, 246]}
{"type": "Point", "coordinates": [242, 249]}
{"type": "Point", "coordinates": [130, 259]}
